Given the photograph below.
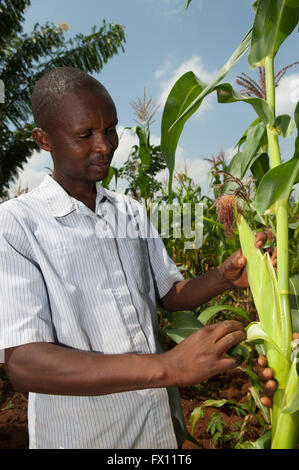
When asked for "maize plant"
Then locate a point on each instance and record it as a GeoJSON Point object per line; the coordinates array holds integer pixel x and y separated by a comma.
{"type": "Point", "coordinates": [274, 21]}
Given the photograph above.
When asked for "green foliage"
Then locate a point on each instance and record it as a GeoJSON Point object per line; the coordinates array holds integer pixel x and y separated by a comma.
{"type": "Point", "coordinates": [274, 22]}
{"type": "Point", "coordinates": [24, 58]}
{"type": "Point", "coordinates": [259, 146]}
{"type": "Point", "coordinates": [143, 164]}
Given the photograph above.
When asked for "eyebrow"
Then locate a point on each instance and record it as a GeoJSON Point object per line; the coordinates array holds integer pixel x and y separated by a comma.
{"type": "Point", "coordinates": [82, 129]}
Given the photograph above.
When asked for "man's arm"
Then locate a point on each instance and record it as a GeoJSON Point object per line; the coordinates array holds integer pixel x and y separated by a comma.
{"type": "Point", "coordinates": [52, 369]}
{"type": "Point", "coordinates": [190, 293]}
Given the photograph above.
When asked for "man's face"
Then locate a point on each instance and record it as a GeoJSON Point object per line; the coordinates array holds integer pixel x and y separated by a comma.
{"type": "Point", "coordinates": [83, 136]}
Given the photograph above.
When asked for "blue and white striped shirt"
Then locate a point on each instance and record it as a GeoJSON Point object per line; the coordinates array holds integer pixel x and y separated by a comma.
{"type": "Point", "coordinates": [68, 278]}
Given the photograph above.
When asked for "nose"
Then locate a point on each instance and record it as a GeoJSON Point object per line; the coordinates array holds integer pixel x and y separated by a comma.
{"type": "Point", "coordinates": [102, 143]}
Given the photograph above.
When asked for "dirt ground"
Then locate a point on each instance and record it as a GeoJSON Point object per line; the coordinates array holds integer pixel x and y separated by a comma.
{"type": "Point", "coordinates": [233, 385]}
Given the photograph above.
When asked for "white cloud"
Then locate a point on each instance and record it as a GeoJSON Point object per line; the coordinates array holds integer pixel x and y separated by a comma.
{"type": "Point", "coordinates": [33, 172]}
{"type": "Point", "coordinates": [287, 94]}
{"type": "Point", "coordinates": [193, 64]}
{"type": "Point", "coordinates": [126, 142]}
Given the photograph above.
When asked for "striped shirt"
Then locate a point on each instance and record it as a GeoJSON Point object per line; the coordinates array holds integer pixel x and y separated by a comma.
{"type": "Point", "coordinates": [87, 280]}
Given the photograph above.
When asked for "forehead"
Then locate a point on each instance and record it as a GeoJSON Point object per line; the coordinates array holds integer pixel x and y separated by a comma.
{"type": "Point", "coordinates": [86, 107]}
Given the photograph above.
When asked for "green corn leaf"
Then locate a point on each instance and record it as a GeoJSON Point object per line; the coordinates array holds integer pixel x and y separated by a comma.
{"type": "Point", "coordinates": [264, 442]}
{"type": "Point", "coordinates": [226, 94]}
{"type": "Point", "coordinates": [183, 324]}
{"type": "Point", "coordinates": [277, 184]}
{"type": "Point", "coordinates": [259, 167]}
{"type": "Point", "coordinates": [292, 388]}
{"type": "Point", "coordinates": [293, 405]}
{"type": "Point", "coordinates": [235, 57]}
{"type": "Point", "coordinates": [255, 392]}
{"type": "Point", "coordinates": [185, 90]}
{"type": "Point", "coordinates": [209, 312]}
{"type": "Point", "coordinates": [251, 146]}
{"type": "Point", "coordinates": [285, 125]}
{"type": "Point", "coordinates": [255, 332]}
{"type": "Point", "coordinates": [274, 22]}
{"type": "Point", "coordinates": [234, 169]}
{"type": "Point", "coordinates": [243, 137]}
{"type": "Point", "coordinates": [187, 4]}
{"type": "Point", "coordinates": [111, 172]}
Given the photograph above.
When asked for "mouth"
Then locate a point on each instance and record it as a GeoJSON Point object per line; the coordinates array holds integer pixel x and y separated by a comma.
{"type": "Point", "coordinates": [102, 164]}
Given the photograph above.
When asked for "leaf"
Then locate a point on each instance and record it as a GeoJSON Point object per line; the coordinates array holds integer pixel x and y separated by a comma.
{"type": "Point", "coordinates": [185, 90]}
{"type": "Point", "coordinates": [226, 94]}
{"type": "Point", "coordinates": [263, 442]}
{"type": "Point", "coordinates": [294, 302]}
{"type": "Point", "coordinates": [274, 22]}
{"type": "Point", "coordinates": [243, 138]}
{"type": "Point", "coordinates": [187, 5]}
{"type": "Point", "coordinates": [277, 184]}
{"type": "Point", "coordinates": [111, 172]}
{"type": "Point", "coordinates": [255, 332]}
{"type": "Point", "coordinates": [183, 324]}
{"type": "Point", "coordinates": [235, 57]}
{"type": "Point", "coordinates": [293, 406]}
{"type": "Point", "coordinates": [209, 312]}
{"type": "Point", "coordinates": [250, 147]}
{"type": "Point", "coordinates": [285, 125]}
{"type": "Point", "coordinates": [255, 392]}
{"type": "Point", "coordinates": [198, 412]}
{"type": "Point", "coordinates": [259, 167]}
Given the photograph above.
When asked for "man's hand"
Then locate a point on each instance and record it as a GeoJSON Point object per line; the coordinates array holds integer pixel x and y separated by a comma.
{"type": "Point", "coordinates": [233, 268]}
{"type": "Point", "coordinates": [202, 354]}
{"type": "Point", "coordinates": [267, 381]}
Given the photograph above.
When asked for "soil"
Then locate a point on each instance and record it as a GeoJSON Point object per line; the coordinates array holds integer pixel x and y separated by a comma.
{"type": "Point", "coordinates": [232, 386]}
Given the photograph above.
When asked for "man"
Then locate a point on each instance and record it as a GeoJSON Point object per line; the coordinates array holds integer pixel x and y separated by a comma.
{"type": "Point", "coordinates": [77, 307]}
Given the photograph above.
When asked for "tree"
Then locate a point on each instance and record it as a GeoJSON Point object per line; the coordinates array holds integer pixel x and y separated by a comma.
{"type": "Point", "coordinates": [24, 58]}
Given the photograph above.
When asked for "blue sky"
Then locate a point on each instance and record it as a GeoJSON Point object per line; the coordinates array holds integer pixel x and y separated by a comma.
{"type": "Point", "coordinates": [163, 42]}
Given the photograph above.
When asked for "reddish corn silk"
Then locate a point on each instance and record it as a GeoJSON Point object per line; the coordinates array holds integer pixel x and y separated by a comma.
{"type": "Point", "coordinates": [225, 208]}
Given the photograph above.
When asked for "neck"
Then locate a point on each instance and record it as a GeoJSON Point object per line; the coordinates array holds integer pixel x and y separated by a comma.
{"type": "Point", "coordinates": [80, 190]}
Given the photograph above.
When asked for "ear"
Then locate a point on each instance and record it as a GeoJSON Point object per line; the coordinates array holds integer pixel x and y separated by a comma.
{"type": "Point", "coordinates": [42, 139]}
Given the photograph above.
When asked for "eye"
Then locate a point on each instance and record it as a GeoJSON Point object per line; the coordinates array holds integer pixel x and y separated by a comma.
{"type": "Point", "coordinates": [86, 134]}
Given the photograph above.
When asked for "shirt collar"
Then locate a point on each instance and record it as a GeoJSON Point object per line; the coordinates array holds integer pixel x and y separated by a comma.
{"type": "Point", "coordinates": [59, 202]}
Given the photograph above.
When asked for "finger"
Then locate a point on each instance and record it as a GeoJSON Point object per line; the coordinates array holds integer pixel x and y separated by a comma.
{"type": "Point", "coordinates": [260, 239]}
{"type": "Point", "coordinates": [225, 327]}
{"type": "Point", "coordinates": [269, 387]}
{"type": "Point", "coordinates": [238, 260]}
{"type": "Point", "coordinates": [266, 401]}
{"type": "Point", "coordinates": [272, 253]}
{"type": "Point", "coordinates": [226, 363]}
{"type": "Point", "coordinates": [228, 341]}
{"type": "Point", "coordinates": [262, 361]}
{"type": "Point", "coordinates": [266, 374]}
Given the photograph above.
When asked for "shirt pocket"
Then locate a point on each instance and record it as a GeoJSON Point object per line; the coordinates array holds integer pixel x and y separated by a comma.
{"type": "Point", "coordinates": [135, 253]}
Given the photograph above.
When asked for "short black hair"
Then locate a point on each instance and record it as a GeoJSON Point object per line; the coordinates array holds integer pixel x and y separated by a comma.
{"type": "Point", "coordinates": [52, 87]}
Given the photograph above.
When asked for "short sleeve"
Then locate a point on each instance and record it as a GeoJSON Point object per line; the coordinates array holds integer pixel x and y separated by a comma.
{"type": "Point", "coordinates": [164, 269]}
{"type": "Point", "coordinates": [25, 315]}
